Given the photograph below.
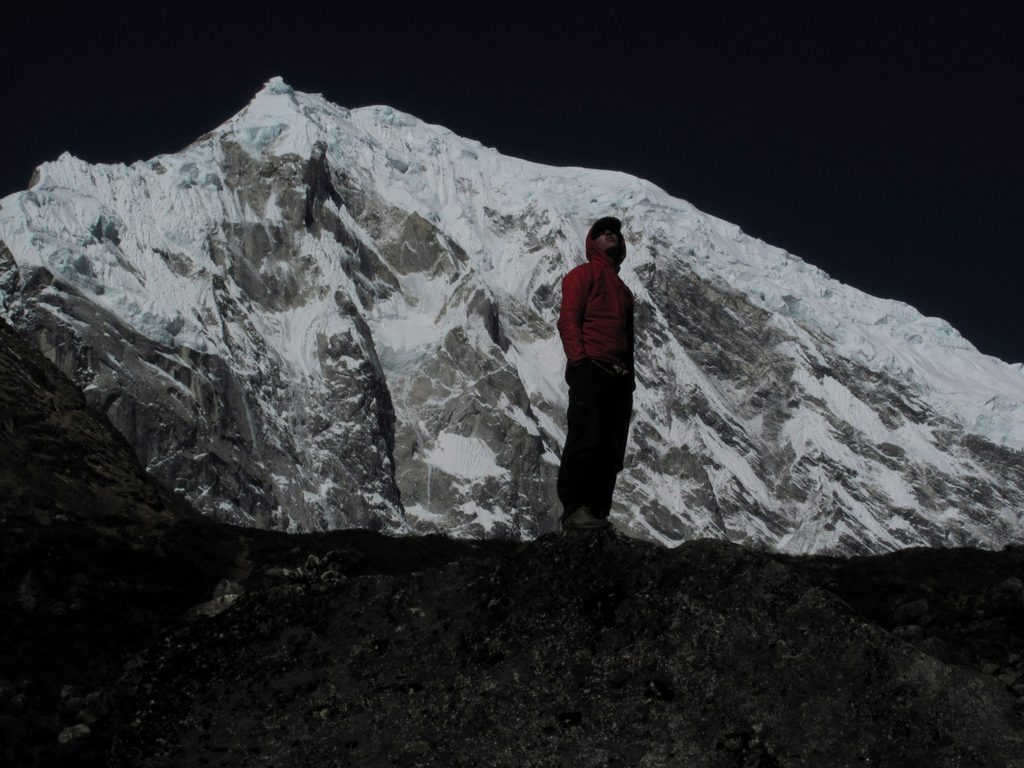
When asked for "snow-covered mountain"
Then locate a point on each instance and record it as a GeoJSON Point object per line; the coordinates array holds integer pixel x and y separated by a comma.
{"type": "Point", "coordinates": [316, 317]}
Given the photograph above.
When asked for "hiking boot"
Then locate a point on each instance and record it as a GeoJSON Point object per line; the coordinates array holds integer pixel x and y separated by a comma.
{"type": "Point", "coordinates": [582, 520]}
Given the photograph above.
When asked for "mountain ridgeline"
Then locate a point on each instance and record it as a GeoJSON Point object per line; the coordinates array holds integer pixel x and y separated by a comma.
{"type": "Point", "coordinates": [316, 318]}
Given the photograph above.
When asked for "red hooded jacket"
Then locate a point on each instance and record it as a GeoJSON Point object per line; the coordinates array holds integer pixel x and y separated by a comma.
{"type": "Point", "coordinates": [596, 319]}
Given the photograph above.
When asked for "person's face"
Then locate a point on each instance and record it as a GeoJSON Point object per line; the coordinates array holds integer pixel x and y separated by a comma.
{"type": "Point", "coordinates": [607, 242]}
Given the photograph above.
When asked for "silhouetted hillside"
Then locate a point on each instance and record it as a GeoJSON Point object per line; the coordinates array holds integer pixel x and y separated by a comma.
{"type": "Point", "coordinates": [134, 632]}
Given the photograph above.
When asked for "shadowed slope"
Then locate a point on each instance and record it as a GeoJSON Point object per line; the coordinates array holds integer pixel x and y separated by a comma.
{"type": "Point", "coordinates": [584, 650]}
{"type": "Point", "coordinates": [133, 632]}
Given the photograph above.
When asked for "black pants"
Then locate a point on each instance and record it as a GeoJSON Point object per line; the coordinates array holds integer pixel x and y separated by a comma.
{"type": "Point", "coordinates": [600, 407]}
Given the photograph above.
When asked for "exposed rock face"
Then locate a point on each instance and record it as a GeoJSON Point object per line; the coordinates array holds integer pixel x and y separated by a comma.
{"type": "Point", "coordinates": [232, 427]}
{"type": "Point", "coordinates": [58, 461]}
{"type": "Point", "coordinates": [805, 487]}
{"type": "Point", "coordinates": [316, 318]}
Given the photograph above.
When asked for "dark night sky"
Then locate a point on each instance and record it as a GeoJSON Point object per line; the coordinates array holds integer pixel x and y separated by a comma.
{"type": "Point", "coordinates": [881, 143]}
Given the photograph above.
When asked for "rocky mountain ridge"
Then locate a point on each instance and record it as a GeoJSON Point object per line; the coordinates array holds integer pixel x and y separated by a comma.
{"type": "Point", "coordinates": [315, 318]}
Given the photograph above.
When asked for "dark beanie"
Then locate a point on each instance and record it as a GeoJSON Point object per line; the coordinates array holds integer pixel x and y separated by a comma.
{"type": "Point", "coordinates": [608, 222]}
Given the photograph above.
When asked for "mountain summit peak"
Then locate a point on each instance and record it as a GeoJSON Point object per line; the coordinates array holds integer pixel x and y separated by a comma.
{"type": "Point", "coordinates": [280, 120]}
{"type": "Point", "coordinates": [317, 318]}
{"type": "Point", "coordinates": [277, 86]}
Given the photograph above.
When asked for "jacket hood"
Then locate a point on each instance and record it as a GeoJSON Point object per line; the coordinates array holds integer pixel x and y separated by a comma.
{"type": "Point", "coordinates": [593, 252]}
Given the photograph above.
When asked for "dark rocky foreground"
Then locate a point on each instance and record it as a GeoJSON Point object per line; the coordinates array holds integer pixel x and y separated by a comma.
{"type": "Point", "coordinates": [135, 633]}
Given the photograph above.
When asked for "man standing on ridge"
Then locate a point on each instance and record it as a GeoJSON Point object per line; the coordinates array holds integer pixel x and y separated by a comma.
{"type": "Point", "coordinates": [596, 327]}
